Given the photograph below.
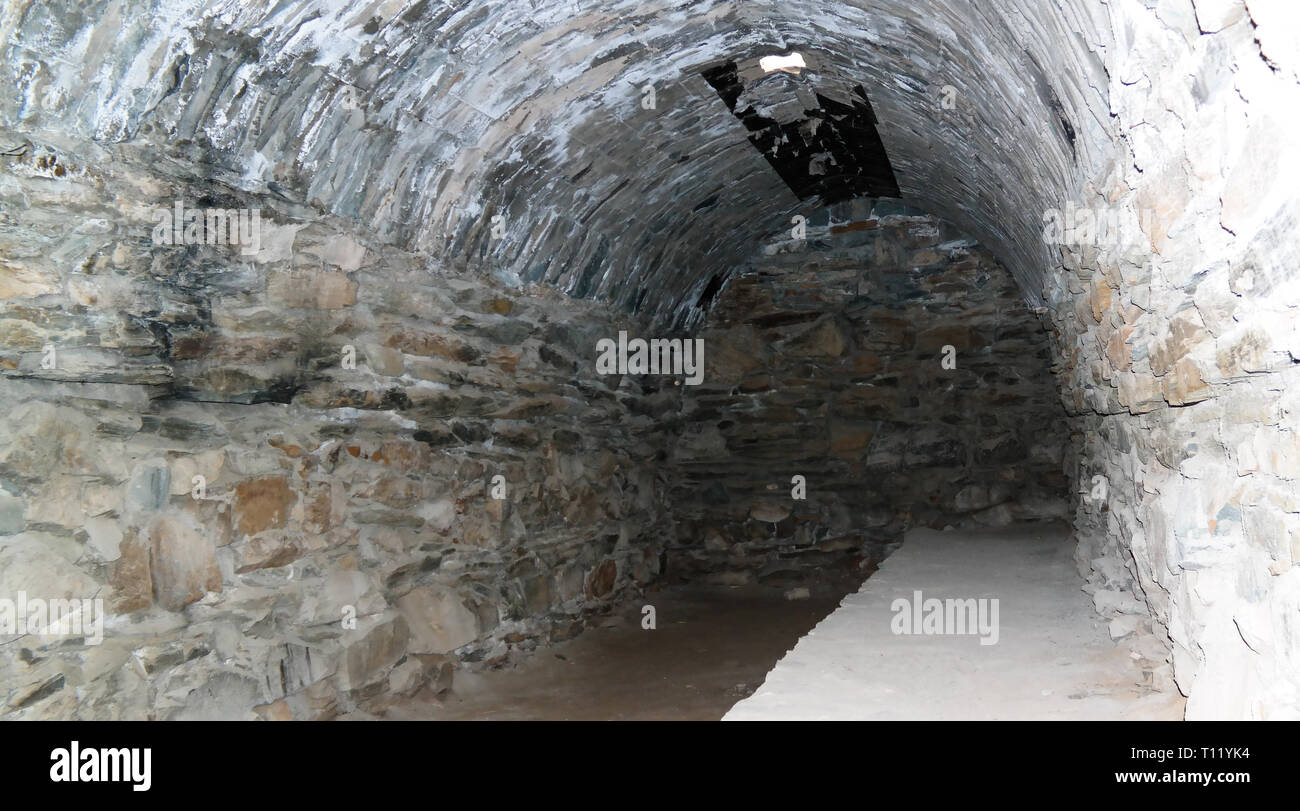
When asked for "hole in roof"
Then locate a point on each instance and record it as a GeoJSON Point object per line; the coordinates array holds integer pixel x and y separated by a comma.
{"type": "Point", "coordinates": [791, 63]}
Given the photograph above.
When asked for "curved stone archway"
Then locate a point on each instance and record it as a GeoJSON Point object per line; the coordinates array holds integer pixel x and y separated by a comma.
{"type": "Point", "coordinates": [467, 195]}
{"type": "Point", "coordinates": [421, 121]}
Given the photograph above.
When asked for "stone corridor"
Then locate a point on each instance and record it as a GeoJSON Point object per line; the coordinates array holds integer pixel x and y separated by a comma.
{"type": "Point", "coordinates": [300, 304]}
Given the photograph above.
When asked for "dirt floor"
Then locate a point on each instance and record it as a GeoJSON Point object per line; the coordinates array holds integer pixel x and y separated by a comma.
{"type": "Point", "coordinates": [715, 651]}
{"type": "Point", "coordinates": [712, 647]}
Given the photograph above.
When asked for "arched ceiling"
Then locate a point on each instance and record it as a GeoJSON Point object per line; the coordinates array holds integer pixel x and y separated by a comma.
{"type": "Point", "coordinates": [424, 119]}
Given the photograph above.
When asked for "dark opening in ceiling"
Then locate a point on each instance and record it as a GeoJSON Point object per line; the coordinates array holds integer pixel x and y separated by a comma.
{"type": "Point", "coordinates": [828, 148]}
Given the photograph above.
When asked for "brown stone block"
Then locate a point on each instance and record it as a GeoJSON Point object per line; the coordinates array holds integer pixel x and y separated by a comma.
{"type": "Point", "coordinates": [407, 456]}
{"type": "Point", "coordinates": [507, 359]}
{"type": "Point", "coordinates": [583, 508]}
{"type": "Point", "coordinates": [1186, 331]}
{"type": "Point", "coordinates": [1099, 297]}
{"type": "Point", "coordinates": [190, 345]}
{"type": "Point", "coordinates": [1117, 349]}
{"type": "Point", "coordinates": [1184, 385]}
{"type": "Point", "coordinates": [312, 289]}
{"type": "Point", "coordinates": [267, 552]}
{"type": "Point", "coordinates": [255, 350]}
{"type": "Point", "coordinates": [262, 504]}
{"type": "Point", "coordinates": [848, 438]}
{"type": "Point", "coordinates": [318, 503]}
{"type": "Point", "coordinates": [864, 364]}
{"type": "Point", "coordinates": [429, 344]}
{"type": "Point", "coordinates": [1140, 393]}
{"type": "Point", "coordinates": [600, 583]}
{"type": "Point", "coordinates": [130, 575]}
{"type": "Point", "coordinates": [398, 492]}
{"type": "Point", "coordinates": [826, 339]}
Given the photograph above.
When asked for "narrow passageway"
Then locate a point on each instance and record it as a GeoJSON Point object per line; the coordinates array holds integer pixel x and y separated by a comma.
{"type": "Point", "coordinates": [1027, 644]}
{"type": "Point", "coordinates": [358, 359]}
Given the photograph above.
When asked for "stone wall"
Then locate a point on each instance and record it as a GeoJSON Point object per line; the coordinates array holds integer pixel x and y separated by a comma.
{"type": "Point", "coordinates": [419, 123]}
{"type": "Point", "coordinates": [826, 360]}
{"type": "Point", "coordinates": [1178, 344]}
{"type": "Point", "coordinates": [276, 530]}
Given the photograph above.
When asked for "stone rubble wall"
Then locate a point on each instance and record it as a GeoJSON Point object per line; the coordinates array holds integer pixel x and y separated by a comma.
{"type": "Point", "coordinates": [426, 120]}
{"type": "Point", "coordinates": [1177, 355]}
{"type": "Point", "coordinates": [328, 493]}
{"type": "Point", "coordinates": [826, 361]}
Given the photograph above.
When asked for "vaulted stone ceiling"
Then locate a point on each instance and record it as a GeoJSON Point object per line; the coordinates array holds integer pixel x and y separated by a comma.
{"type": "Point", "coordinates": [1172, 334]}
{"type": "Point", "coordinates": [424, 120]}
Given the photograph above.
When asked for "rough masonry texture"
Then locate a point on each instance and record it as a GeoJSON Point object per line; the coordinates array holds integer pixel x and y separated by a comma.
{"type": "Point", "coordinates": [827, 364]}
{"type": "Point", "coordinates": [326, 490]}
{"type": "Point", "coordinates": [464, 196]}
